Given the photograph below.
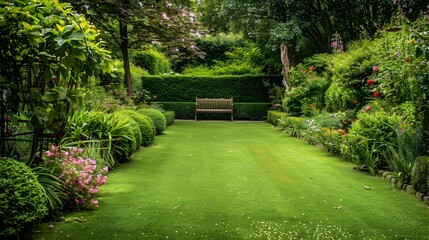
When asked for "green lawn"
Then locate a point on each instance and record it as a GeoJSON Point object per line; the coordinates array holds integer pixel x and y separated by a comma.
{"type": "Point", "coordinates": [242, 180]}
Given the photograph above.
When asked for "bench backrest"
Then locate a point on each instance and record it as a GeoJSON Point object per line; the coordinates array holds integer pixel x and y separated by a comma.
{"type": "Point", "coordinates": [214, 103]}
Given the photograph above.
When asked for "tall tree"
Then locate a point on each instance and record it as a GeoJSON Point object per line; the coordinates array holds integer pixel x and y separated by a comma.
{"type": "Point", "coordinates": [131, 23]}
{"type": "Point", "coordinates": [299, 22]}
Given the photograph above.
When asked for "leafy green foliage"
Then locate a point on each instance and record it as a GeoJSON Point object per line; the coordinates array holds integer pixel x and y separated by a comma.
{"type": "Point", "coordinates": [251, 111]}
{"type": "Point", "coordinates": [115, 134]}
{"type": "Point", "coordinates": [117, 76]}
{"type": "Point", "coordinates": [145, 123]}
{"type": "Point", "coordinates": [243, 60]}
{"type": "Point", "coordinates": [273, 117]}
{"type": "Point", "coordinates": [306, 97]}
{"type": "Point", "coordinates": [47, 50]}
{"type": "Point", "coordinates": [215, 47]}
{"type": "Point", "coordinates": [375, 131]}
{"type": "Point", "coordinates": [182, 110]}
{"type": "Point", "coordinates": [420, 175]}
{"type": "Point", "coordinates": [135, 127]}
{"type": "Point", "coordinates": [21, 197]}
{"type": "Point", "coordinates": [186, 88]}
{"type": "Point", "coordinates": [169, 117]}
{"type": "Point", "coordinates": [152, 61]}
{"type": "Point", "coordinates": [157, 117]}
{"type": "Point", "coordinates": [401, 158]}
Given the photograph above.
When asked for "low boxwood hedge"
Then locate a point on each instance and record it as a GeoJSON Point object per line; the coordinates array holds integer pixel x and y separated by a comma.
{"type": "Point", "coordinates": [169, 117]}
{"type": "Point", "coordinates": [242, 111]}
{"type": "Point", "coordinates": [274, 116]}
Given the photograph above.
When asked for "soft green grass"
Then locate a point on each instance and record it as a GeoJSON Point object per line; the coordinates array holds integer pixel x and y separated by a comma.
{"type": "Point", "coordinates": [242, 180]}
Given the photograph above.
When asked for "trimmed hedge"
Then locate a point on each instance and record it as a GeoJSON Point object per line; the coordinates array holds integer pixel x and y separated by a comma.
{"type": "Point", "coordinates": [251, 111]}
{"type": "Point", "coordinates": [242, 111]}
{"type": "Point", "coordinates": [420, 175]}
{"type": "Point", "coordinates": [178, 88]}
{"type": "Point", "coordinates": [21, 197]}
{"type": "Point", "coordinates": [157, 117]}
{"type": "Point", "coordinates": [146, 126]}
{"type": "Point", "coordinates": [274, 116]}
{"type": "Point", "coordinates": [169, 117]}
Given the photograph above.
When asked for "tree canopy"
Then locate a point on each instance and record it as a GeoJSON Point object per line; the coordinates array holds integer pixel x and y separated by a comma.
{"type": "Point", "coordinates": [129, 24]}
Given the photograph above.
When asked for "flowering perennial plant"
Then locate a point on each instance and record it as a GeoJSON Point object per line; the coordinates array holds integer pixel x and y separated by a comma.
{"type": "Point", "coordinates": [80, 176]}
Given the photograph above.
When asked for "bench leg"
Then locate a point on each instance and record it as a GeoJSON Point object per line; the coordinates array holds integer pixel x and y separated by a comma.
{"type": "Point", "coordinates": [232, 118]}
{"type": "Point", "coordinates": [195, 117]}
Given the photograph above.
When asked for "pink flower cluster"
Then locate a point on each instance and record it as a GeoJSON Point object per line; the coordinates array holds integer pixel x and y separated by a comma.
{"type": "Point", "coordinates": [79, 175]}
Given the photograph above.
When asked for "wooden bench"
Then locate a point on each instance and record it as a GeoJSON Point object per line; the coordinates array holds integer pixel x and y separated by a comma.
{"type": "Point", "coordinates": [214, 105]}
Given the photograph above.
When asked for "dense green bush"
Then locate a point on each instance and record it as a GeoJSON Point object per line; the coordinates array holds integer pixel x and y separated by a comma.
{"type": "Point", "coordinates": [185, 88]}
{"type": "Point", "coordinates": [146, 125]}
{"type": "Point", "coordinates": [306, 99]}
{"type": "Point", "coordinates": [251, 111]}
{"type": "Point", "coordinates": [153, 61]}
{"type": "Point", "coordinates": [157, 117]}
{"type": "Point", "coordinates": [169, 117]}
{"type": "Point", "coordinates": [375, 130]}
{"type": "Point", "coordinates": [117, 76]}
{"type": "Point", "coordinates": [273, 117]}
{"type": "Point", "coordinates": [420, 175]}
{"type": "Point", "coordinates": [134, 126]}
{"type": "Point", "coordinates": [21, 197]}
{"type": "Point", "coordinates": [115, 135]}
{"type": "Point", "coordinates": [182, 110]}
{"type": "Point", "coordinates": [215, 47]}
{"type": "Point", "coordinates": [293, 126]}
{"type": "Point", "coordinates": [350, 71]}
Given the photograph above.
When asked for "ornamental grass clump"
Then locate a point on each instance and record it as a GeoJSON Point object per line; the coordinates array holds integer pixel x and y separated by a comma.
{"type": "Point", "coordinates": [80, 176]}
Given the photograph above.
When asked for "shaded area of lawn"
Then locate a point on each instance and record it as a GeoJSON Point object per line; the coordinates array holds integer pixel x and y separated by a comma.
{"type": "Point", "coordinates": [242, 180]}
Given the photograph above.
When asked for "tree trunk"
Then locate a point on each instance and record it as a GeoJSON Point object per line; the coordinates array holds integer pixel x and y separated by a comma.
{"type": "Point", "coordinates": [286, 66]}
{"type": "Point", "coordinates": [125, 57]}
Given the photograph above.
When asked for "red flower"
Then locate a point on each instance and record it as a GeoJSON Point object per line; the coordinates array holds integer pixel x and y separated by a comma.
{"type": "Point", "coordinates": [346, 123]}
{"type": "Point", "coordinates": [355, 102]}
{"type": "Point", "coordinates": [376, 94]}
{"type": "Point", "coordinates": [375, 68]}
{"type": "Point", "coordinates": [368, 108]}
{"type": "Point", "coordinates": [370, 82]}
{"type": "Point", "coordinates": [407, 59]}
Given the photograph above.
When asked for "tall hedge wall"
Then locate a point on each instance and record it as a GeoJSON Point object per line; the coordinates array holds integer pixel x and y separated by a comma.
{"type": "Point", "coordinates": [177, 88]}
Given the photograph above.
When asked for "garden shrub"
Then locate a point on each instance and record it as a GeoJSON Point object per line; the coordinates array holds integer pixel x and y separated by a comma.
{"type": "Point", "coordinates": [116, 135]}
{"type": "Point", "coordinates": [182, 110]}
{"type": "Point", "coordinates": [80, 175]}
{"type": "Point", "coordinates": [169, 117]}
{"type": "Point", "coordinates": [293, 126]}
{"type": "Point", "coordinates": [21, 197]}
{"type": "Point", "coordinates": [153, 61]}
{"type": "Point", "coordinates": [306, 96]}
{"type": "Point", "coordinates": [350, 72]}
{"type": "Point", "coordinates": [176, 88]}
{"type": "Point", "coordinates": [215, 47]}
{"type": "Point", "coordinates": [409, 146]}
{"type": "Point", "coordinates": [273, 117]}
{"type": "Point", "coordinates": [420, 175]}
{"type": "Point", "coordinates": [226, 55]}
{"type": "Point", "coordinates": [374, 130]}
{"type": "Point", "coordinates": [135, 127]}
{"type": "Point", "coordinates": [117, 76]}
{"type": "Point", "coordinates": [157, 117]}
{"type": "Point", "coordinates": [145, 123]}
{"type": "Point", "coordinates": [251, 111]}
